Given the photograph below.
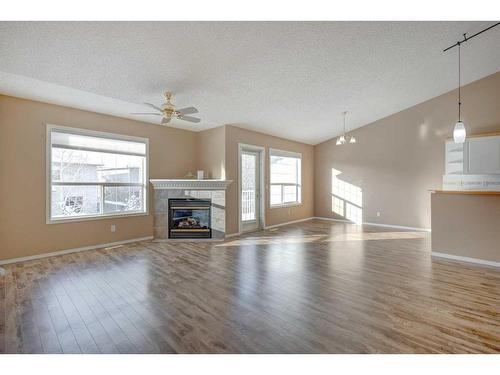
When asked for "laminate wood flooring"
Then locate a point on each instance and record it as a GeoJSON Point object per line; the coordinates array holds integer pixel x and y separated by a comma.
{"type": "Point", "coordinates": [312, 287]}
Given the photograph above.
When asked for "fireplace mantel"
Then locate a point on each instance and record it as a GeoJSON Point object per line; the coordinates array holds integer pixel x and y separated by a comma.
{"type": "Point", "coordinates": [159, 184]}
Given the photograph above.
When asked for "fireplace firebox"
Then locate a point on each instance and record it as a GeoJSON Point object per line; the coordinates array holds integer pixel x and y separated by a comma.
{"type": "Point", "coordinates": [189, 218]}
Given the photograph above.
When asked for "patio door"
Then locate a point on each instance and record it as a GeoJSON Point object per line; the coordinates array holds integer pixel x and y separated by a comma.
{"type": "Point", "coordinates": [250, 188]}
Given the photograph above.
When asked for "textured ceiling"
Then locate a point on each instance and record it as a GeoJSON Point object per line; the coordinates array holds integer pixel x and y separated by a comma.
{"type": "Point", "coordinates": [291, 79]}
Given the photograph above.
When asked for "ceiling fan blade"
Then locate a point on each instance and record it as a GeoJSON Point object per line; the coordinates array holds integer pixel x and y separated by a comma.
{"type": "Point", "coordinates": [166, 120]}
{"type": "Point", "coordinates": [189, 118]}
{"type": "Point", "coordinates": [146, 113]}
{"type": "Point", "coordinates": [187, 111]}
{"type": "Point", "coordinates": [153, 106]}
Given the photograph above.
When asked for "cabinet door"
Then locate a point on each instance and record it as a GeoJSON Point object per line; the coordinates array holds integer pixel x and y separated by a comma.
{"type": "Point", "coordinates": [484, 155]}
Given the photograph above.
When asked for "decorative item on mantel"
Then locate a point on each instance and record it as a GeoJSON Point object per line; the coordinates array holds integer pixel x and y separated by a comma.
{"type": "Point", "coordinates": [201, 175]}
{"type": "Point", "coordinates": [190, 176]}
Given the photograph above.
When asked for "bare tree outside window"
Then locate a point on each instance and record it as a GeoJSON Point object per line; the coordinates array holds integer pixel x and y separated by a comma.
{"type": "Point", "coordinates": [96, 176]}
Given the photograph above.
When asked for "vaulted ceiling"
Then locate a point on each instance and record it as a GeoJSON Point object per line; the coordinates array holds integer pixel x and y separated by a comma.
{"type": "Point", "coordinates": [290, 79]}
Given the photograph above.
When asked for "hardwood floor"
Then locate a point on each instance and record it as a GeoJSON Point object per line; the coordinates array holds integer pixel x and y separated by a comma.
{"type": "Point", "coordinates": [313, 287]}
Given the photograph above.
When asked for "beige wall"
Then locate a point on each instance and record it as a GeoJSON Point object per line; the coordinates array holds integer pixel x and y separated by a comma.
{"type": "Point", "coordinates": [173, 152]}
{"type": "Point", "coordinates": [23, 231]}
{"type": "Point", "coordinates": [396, 160]}
{"type": "Point", "coordinates": [466, 225]}
{"type": "Point", "coordinates": [211, 152]}
{"type": "Point", "coordinates": [235, 135]}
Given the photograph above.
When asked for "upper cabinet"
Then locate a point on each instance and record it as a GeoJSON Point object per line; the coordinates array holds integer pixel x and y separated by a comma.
{"type": "Point", "coordinates": [473, 165]}
{"type": "Point", "coordinates": [478, 155]}
{"type": "Point", "coordinates": [483, 155]}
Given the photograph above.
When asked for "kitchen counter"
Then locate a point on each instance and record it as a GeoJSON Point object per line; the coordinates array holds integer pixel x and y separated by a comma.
{"type": "Point", "coordinates": [466, 192]}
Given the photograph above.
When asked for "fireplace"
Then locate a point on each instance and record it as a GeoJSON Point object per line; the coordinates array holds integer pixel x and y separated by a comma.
{"type": "Point", "coordinates": [189, 218]}
{"type": "Point", "coordinates": [213, 191]}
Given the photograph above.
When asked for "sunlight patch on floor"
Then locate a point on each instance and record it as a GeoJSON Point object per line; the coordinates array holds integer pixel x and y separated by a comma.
{"type": "Point", "coordinates": [368, 236]}
{"type": "Point", "coordinates": [341, 237]}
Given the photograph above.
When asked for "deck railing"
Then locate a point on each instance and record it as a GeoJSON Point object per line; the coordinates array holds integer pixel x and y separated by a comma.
{"type": "Point", "coordinates": [248, 205]}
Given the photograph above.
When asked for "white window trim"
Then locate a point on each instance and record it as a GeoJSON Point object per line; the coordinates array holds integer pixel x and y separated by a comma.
{"type": "Point", "coordinates": [48, 176]}
{"type": "Point", "coordinates": [284, 153]}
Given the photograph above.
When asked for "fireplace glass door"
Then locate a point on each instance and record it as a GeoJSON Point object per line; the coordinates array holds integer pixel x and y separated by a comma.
{"type": "Point", "coordinates": [189, 218]}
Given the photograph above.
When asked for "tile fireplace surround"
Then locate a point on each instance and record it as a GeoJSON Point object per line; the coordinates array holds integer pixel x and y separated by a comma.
{"type": "Point", "coordinates": [214, 190]}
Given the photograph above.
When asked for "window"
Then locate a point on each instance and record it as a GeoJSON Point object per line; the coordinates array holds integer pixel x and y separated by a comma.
{"type": "Point", "coordinates": [93, 174]}
{"type": "Point", "coordinates": [285, 178]}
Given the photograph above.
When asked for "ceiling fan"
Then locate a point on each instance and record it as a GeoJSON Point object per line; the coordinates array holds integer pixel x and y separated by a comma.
{"type": "Point", "coordinates": [168, 111]}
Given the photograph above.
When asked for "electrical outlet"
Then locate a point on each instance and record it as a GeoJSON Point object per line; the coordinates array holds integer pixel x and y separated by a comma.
{"type": "Point", "coordinates": [378, 214]}
{"type": "Point", "coordinates": [113, 228]}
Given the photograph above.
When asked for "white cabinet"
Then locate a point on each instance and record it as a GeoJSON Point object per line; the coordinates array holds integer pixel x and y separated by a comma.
{"type": "Point", "coordinates": [483, 155]}
{"type": "Point", "coordinates": [454, 158]}
{"type": "Point", "coordinates": [473, 165]}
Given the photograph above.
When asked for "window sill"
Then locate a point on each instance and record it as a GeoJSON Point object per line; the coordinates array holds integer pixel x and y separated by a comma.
{"type": "Point", "coordinates": [284, 205]}
{"type": "Point", "coordinates": [94, 217]}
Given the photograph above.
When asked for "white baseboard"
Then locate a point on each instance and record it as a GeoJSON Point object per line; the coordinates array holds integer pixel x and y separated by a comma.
{"type": "Point", "coordinates": [376, 224]}
{"type": "Point", "coordinates": [288, 222]}
{"type": "Point", "coordinates": [459, 258]}
{"type": "Point", "coordinates": [76, 250]}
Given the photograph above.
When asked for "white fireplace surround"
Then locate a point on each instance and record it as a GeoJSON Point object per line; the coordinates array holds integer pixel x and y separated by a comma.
{"type": "Point", "coordinates": [190, 184]}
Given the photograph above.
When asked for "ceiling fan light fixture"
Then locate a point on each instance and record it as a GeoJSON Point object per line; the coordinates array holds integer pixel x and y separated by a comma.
{"type": "Point", "coordinates": [168, 111]}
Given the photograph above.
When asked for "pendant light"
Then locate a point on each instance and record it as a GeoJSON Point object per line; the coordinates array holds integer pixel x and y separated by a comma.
{"type": "Point", "coordinates": [343, 139]}
{"type": "Point", "coordinates": [459, 133]}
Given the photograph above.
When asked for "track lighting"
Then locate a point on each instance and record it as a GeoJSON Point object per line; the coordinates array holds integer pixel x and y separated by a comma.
{"type": "Point", "coordinates": [459, 132]}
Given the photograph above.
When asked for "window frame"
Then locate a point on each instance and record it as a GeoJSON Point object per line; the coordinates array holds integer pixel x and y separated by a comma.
{"type": "Point", "coordinates": [94, 133]}
{"type": "Point", "coordinates": [298, 185]}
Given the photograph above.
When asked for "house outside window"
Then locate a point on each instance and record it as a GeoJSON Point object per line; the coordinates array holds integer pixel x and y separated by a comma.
{"type": "Point", "coordinates": [285, 178]}
{"type": "Point", "coordinates": [94, 174]}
